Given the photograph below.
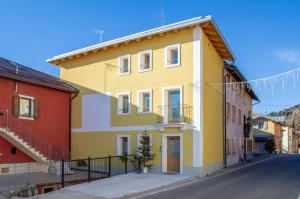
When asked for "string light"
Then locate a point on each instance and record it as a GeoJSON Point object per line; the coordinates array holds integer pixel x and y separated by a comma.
{"type": "Point", "coordinates": [266, 83]}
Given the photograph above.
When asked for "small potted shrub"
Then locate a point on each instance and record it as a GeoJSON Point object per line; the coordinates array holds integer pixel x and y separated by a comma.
{"type": "Point", "coordinates": [82, 164]}
{"type": "Point", "coordinates": [143, 154]}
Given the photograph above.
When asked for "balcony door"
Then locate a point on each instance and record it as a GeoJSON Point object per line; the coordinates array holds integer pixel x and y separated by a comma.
{"type": "Point", "coordinates": [173, 106]}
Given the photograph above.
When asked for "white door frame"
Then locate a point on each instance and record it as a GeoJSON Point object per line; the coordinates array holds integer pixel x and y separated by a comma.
{"type": "Point", "coordinates": [119, 146]}
{"type": "Point", "coordinates": [165, 149]}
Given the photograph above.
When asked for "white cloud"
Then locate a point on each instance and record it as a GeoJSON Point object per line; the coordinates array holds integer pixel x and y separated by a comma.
{"type": "Point", "coordinates": [288, 55]}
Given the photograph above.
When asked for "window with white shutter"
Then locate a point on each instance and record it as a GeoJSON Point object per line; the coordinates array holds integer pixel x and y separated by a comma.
{"type": "Point", "coordinates": [123, 103]}
{"type": "Point", "coordinates": [145, 61]}
{"type": "Point", "coordinates": [124, 65]}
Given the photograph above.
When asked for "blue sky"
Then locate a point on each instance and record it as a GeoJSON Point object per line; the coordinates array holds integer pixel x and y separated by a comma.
{"type": "Point", "coordinates": [263, 35]}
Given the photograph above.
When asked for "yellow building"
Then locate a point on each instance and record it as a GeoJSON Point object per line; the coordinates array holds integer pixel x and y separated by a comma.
{"type": "Point", "coordinates": [272, 126]}
{"type": "Point", "coordinates": [166, 80]}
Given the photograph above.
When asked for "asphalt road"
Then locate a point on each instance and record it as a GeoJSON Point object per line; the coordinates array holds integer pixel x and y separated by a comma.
{"type": "Point", "coordinates": [272, 179]}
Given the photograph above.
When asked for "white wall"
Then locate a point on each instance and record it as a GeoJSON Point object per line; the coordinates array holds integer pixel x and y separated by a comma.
{"type": "Point", "coordinates": [285, 140]}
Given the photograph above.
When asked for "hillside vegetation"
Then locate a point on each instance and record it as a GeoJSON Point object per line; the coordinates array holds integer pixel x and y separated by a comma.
{"type": "Point", "coordinates": [291, 115]}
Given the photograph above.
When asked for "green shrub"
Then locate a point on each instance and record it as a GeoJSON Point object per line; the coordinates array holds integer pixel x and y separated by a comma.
{"type": "Point", "coordinates": [81, 163]}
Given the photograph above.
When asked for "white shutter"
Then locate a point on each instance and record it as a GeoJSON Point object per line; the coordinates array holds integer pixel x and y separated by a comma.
{"type": "Point", "coordinates": [265, 125]}
{"type": "Point", "coordinates": [119, 65]}
{"type": "Point", "coordinates": [119, 146]}
{"type": "Point", "coordinates": [119, 104]}
{"type": "Point", "coordinates": [140, 101]}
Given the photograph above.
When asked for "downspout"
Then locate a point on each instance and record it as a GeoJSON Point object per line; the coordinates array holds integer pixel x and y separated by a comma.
{"type": "Point", "coordinates": [224, 115]}
{"type": "Point", "coordinates": [16, 87]}
{"type": "Point", "coordinates": [224, 120]}
{"type": "Point", "coordinates": [70, 120]}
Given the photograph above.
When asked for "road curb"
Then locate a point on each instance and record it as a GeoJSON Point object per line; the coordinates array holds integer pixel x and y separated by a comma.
{"type": "Point", "coordinates": [193, 180]}
{"type": "Point", "coordinates": [230, 170]}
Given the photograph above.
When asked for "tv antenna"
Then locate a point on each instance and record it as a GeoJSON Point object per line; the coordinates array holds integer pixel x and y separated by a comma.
{"type": "Point", "coordinates": [162, 15]}
{"type": "Point", "coordinates": [100, 33]}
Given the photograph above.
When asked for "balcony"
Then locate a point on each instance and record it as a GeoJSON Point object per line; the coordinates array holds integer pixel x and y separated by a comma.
{"type": "Point", "coordinates": [175, 114]}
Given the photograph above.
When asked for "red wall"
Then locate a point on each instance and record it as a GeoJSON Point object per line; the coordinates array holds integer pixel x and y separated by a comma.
{"type": "Point", "coordinates": [53, 122]}
{"type": "Point", "coordinates": [6, 157]}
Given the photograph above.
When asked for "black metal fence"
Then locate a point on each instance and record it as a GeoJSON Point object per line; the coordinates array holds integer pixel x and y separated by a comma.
{"type": "Point", "coordinates": [86, 170]}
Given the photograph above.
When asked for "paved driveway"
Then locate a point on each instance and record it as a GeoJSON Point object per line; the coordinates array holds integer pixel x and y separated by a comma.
{"type": "Point", "coordinates": [278, 178]}
{"type": "Point", "coordinates": [126, 184]}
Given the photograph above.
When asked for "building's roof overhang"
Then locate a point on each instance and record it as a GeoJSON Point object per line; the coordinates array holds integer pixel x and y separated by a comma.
{"type": "Point", "coordinates": [266, 118]}
{"type": "Point", "coordinates": [260, 135]}
{"type": "Point", "coordinates": [207, 24]}
{"type": "Point", "coordinates": [238, 75]}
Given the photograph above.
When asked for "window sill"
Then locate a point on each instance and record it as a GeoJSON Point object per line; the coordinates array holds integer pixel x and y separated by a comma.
{"type": "Point", "coordinates": [145, 70]}
{"type": "Point", "coordinates": [26, 118]}
{"type": "Point", "coordinates": [122, 114]}
{"type": "Point", "coordinates": [142, 113]}
{"type": "Point", "coordinates": [122, 74]}
{"type": "Point", "coordinates": [172, 65]}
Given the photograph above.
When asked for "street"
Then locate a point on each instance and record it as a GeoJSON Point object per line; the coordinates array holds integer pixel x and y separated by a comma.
{"type": "Point", "coordinates": [276, 178]}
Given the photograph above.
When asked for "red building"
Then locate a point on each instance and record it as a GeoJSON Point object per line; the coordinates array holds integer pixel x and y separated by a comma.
{"type": "Point", "coordinates": [34, 115]}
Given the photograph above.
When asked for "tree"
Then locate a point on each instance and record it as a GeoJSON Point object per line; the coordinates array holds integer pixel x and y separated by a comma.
{"type": "Point", "coordinates": [248, 125]}
{"type": "Point", "coordinates": [144, 152]}
{"type": "Point", "coordinates": [270, 145]}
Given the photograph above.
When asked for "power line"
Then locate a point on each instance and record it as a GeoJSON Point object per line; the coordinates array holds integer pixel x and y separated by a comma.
{"type": "Point", "coordinates": [274, 105]}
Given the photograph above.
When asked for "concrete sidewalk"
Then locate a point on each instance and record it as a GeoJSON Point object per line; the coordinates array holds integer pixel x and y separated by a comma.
{"type": "Point", "coordinates": [117, 186]}
{"type": "Point", "coordinates": [137, 185]}
{"type": "Point", "coordinates": [131, 183]}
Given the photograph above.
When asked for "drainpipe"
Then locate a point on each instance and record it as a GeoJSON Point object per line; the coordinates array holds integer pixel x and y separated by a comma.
{"type": "Point", "coordinates": [224, 115]}
{"type": "Point", "coordinates": [70, 117]}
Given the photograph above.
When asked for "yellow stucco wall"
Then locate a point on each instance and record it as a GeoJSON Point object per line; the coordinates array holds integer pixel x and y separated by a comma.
{"type": "Point", "coordinates": [213, 104]}
{"type": "Point", "coordinates": [273, 128]}
{"type": "Point", "coordinates": [104, 143]}
{"type": "Point", "coordinates": [98, 73]}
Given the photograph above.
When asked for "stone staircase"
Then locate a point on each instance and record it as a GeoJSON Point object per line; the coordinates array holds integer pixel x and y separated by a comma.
{"type": "Point", "coordinates": [22, 145]}
{"type": "Point", "coordinates": [18, 134]}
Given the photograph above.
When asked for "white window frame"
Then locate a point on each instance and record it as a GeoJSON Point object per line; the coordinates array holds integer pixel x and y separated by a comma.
{"type": "Point", "coordinates": [119, 64]}
{"type": "Point", "coordinates": [166, 55]}
{"type": "Point", "coordinates": [140, 59]}
{"type": "Point", "coordinates": [138, 138]}
{"type": "Point", "coordinates": [139, 101]}
{"type": "Point", "coordinates": [32, 107]}
{"type": "Point", "coordinates": [119, 146]}
{"type": "Point", "coordinates": [165, 102]}
{"type": "Point", "coordinates": [119, 110]}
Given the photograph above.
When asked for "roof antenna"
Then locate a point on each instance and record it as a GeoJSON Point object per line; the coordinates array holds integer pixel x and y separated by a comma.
{"type": "Point", "coordinates": [265, 111]}
{"type": "Point", "coordinates": [17, 69]}
{"type": "Point", "coordinates": [100, 32]}
{"type": "Point", "coordinates": [162, 14]}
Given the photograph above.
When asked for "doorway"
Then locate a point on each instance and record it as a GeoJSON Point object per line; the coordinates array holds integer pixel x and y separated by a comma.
{"type": "Point", "coordinates": [172, 153]}
{"type": "Point", "coordinates": [123, 144]}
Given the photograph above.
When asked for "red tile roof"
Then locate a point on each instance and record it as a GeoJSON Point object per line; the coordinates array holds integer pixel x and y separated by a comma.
{"type": "Point", "coordinates": [13, 70]}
